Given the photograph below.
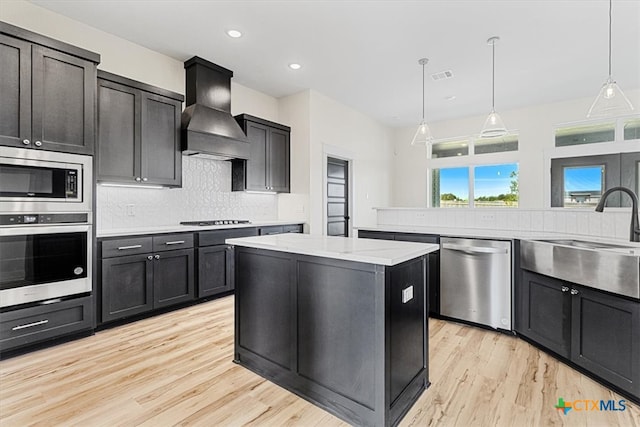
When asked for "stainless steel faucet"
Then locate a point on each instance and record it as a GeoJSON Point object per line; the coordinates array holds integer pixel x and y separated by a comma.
{"type": "Point", "coordinates": [634, 232]}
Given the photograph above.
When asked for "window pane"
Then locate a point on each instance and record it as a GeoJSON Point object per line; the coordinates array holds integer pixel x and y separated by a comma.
{"type": "Point", "coordinates": [583, 186]}
{"type": "Point", "coordinates": [449, 149]}
{"type": "Point", "coordinates": [496, 186]}
{"type": "Point", "coordinates": [589, 134]}
{"type": "Point", "coordinates": [497, 145]}
{"type": "Point", "coordinates": [450, 187]}
{"type": "Point", "coordinates": [632, 129]}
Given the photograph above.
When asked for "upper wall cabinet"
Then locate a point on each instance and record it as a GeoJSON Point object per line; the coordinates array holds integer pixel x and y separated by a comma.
{"type": "Point", "coordinates": [267, 169]}
{"type": "Point", "coordinates": [47, 90]}
{"type": "Point", "coordinates": [138, 133]}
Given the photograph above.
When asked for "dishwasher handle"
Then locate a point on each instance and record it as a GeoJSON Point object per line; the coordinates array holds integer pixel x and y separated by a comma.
{"type": "Point", "coordinates": [474, 249]}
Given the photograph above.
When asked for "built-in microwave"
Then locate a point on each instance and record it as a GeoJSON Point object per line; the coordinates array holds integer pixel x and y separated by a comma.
{"type": "Point", "coordinates": [44, 181]}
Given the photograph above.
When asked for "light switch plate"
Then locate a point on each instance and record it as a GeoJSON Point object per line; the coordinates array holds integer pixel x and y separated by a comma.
{"type": "Point", "coordinates": [407, 294]}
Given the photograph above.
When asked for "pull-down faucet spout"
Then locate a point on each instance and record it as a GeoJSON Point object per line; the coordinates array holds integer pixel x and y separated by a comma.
{"type": "Point", "coordinates": [634, 232]}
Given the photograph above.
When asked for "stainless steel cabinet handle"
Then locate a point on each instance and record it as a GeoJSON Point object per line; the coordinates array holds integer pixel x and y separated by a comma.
{"type": "Point", "coordinates": [138, 179]}
{"type": "Point", "coordinates": [145, 179]}
{"type": "Point", "coordinates": [38, 144]}
{"type": "Point", "coordinates": [157, 257]}
{"type": "Point", "coordinates": [124, 248]}
{"type": "Point", "coordinates": [177, 242]}
{"type": "Point", "coordinates": [565, 289]}
{"type": "Point", "coordinates": [574, 292]}
{"type": "Point", "coordinates": [29, 325]}
{"type": "Point", "coordinates": [150, 257]}
{"type": "Point", "coordinates": [474, 249]}
{"type": "Point", "coordinates": [26, 142]}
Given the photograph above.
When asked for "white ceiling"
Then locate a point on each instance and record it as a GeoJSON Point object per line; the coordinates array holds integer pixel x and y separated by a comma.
{"type": "Point", "coordinates": [365, 53]}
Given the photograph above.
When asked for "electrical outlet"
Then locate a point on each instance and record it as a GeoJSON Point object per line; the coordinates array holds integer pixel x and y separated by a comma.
{"type": "Point", "coordinates": [488, 217]}
{"type": "Point", "coordinates": [130, 210]}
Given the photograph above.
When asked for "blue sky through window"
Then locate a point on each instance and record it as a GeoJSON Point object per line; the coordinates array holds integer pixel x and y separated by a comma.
{"type": "Point", "coordinates": [455, 181]}
{"type": "Point", "coordinates": [493, 180]}
{"type": "Point", "coordinates": [588, 178]}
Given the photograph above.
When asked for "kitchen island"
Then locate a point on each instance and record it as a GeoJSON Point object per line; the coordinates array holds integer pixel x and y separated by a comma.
{"type": "Point", "coordinates": [338, 321]}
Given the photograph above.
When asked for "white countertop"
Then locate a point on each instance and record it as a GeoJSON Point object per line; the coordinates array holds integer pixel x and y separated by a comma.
{"type": "Point", "coordinates": [382, 252]}
{"type": "Point", "coordinates": [177, 228]}
{"type": "Point", "coordinates": [495, 234]}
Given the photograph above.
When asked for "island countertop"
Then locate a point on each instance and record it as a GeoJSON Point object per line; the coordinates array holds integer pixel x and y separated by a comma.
{"type": "Point", "coordinates": [371, 251]}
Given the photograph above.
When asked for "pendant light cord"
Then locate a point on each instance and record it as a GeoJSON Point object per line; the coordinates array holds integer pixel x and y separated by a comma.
{"type": "Point", "coordinates": [493, 78]}
{"type": "Point", "coordinates": [610, 2]}
{"type": "Point", "coordinates": [423, 92]}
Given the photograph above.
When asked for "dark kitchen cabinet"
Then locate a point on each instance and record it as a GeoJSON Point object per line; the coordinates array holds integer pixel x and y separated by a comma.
{"type": "Point", "coordinates": [140, 274]}
{"type": "Point", "coordinates": [138, 133]}
{"type": "Point", "coordinates": [47, 92]}
{"type": "Point", "coordinates": [433, 259]}
{"type": "Point", "coordinates": [267, 168]}
{"type": "Point", "coordinates": [597, 331]}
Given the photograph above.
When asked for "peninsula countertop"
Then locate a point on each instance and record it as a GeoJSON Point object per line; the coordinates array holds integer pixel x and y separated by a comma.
{"type": "Point", "coordinates": [371, 251]}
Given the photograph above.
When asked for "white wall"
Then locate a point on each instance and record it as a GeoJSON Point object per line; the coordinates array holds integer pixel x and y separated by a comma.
{"type": "Point", "coordinates": [536, 128]}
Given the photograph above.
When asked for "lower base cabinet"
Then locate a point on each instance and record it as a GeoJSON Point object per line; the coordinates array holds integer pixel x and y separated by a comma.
{"type": "Point", "coordinates": [155, 275]}
{"type": "Point", "coordinates": [40, 323]}
{"type": "Point", "coordinates": [595, 330]}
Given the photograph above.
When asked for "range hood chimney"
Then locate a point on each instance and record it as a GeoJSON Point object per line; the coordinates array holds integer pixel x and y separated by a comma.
{"type": "Point", "coordinates": [208, 129]}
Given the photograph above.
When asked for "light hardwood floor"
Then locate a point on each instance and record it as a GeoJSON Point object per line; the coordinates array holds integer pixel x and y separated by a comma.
{"type": "Point", "coordinates": [176, 369]}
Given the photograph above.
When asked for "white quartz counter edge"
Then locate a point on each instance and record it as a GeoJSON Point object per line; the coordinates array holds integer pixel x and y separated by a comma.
{"type": "Point", "coordinates": [495, 234]}
{"type": "Point", "coordinates": [185, 228]}
{"type": "Point", "coordinates": [370, 251]}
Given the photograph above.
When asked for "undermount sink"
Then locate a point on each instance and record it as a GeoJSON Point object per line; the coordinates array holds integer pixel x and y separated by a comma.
{"type": "Point", "coordinates": [605, 266]}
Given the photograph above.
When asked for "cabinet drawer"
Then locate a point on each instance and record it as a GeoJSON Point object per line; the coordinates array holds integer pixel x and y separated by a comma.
{"type": "Point", "coordinates": [297, 228]}
{"type": "Point", "coordinates": [123, 247]}
{"type": "Point", "coordinates": [169, 242]}
{"type": "Point", "coordinates": [34, 324]}
{"type": "Point", "coordinates": [217, 237]}
{"type": "Point", "coordinates": [420, 238]}
{"type": "Point", "coordinates": [274, 229]}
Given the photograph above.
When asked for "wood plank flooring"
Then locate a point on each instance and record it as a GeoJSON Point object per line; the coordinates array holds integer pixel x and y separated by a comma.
{"type": "Point", "coordinates": [176, 369]}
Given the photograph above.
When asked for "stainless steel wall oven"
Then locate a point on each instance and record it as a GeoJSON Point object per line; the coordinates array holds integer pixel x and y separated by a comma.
{"type": "Point", "coordinates": [45, 226]}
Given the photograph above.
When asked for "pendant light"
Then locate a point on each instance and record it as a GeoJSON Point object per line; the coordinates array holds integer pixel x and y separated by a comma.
{"type": "Point", "coordinates": [493, 126]}
{"type": "Point", "coordinates": [611, 101]}
{"type": "Point", "coordinates": [423, 134]}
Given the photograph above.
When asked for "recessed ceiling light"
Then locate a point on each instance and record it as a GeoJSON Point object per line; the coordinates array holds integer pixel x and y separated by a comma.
{"type": "Point", "coordinates": [295, 66]}
{"type": "Point", "coordinates": [234, 34]}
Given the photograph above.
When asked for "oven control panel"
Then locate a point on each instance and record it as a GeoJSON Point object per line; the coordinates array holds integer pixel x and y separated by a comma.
{"type": "Point", "coordinates": [30, 219]}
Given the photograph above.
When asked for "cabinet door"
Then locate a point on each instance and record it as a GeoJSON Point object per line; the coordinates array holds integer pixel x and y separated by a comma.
{"type": "Point", "coordinates": [605, 337]}
{"type": "Point", "coordinates": [15, 92]}
{"type": "Point", "coordinates": [214, 270]}
{"type": "Point", "coordinates": [544, 312]}
{"type": "Point", "coordinates": [160, 133]}
{"type": "Point", "coordinates": [118, 132]}
{"type": "Point", "coordinates": [126, 286]}
{"type": "Point", "coordinates": [63, 109]}
{"type": "Point", "coordinates": [173, 277]}
{"type": "Point", "coordinates": [256, 178]}
{"type": "Point", "coordinates": [278, 161]}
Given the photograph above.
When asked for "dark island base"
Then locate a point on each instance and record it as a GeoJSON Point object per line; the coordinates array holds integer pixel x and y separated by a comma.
{"type": "Point", "coordinates": [349, 337]}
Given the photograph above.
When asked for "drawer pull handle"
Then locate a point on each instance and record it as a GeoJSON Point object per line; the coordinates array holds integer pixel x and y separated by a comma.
{"type": "Point", "coordinates": [177, 242]}
{"type": "Point", "coordinates": [30, 325]}
{"type": "Point", "coordinates": [124, 248]}
{"type": "Point", "coordinates": [565, 289]}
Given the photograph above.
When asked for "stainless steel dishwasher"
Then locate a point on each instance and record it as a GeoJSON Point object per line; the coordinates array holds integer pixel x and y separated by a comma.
{"type": "Point", "coordinates": [475, 282]}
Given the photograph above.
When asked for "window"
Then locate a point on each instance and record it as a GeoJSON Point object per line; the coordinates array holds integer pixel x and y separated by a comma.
{"type": "Point", "coordinates": [585, 134]}
{"type": "Point", "coordinates": [449, 149]}
{"type": "Point", "coordinates": [632, 129]}
{"type": "Point", "coordinates": [496, 145]}
{"type": "Point", "coordinates": [496, 186]}
{"type": "Point", "coordinates": [583, 185]}
{"type": "Point", "coordinates": [450, 187]}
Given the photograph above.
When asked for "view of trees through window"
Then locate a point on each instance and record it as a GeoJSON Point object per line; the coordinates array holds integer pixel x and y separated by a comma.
{"type": "Point", "coordinates": [493, 186]}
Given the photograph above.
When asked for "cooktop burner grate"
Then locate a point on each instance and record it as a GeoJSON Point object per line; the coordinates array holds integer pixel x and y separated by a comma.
{"type": "Point", "coordinates": [216, 222]}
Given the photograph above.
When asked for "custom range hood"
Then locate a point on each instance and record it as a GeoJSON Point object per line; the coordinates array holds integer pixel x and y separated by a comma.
{"type": "Point", "coordinates": [208, 128]}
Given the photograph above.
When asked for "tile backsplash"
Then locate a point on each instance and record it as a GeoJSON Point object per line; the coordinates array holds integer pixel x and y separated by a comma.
{"type": "Point", "coordinates": [612, 224]}
{"type": "Point", "coordinates": [205, 194]}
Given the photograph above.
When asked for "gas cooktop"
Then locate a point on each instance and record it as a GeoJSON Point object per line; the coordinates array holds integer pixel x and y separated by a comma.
{"type": "Point", "coordinates": [216, 222]}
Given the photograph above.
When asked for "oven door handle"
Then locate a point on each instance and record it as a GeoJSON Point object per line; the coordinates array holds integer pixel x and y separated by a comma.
{"type": "Point", "coordinates": [22, 230]}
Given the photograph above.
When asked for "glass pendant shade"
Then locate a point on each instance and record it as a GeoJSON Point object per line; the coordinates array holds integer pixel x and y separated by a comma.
{"type": "Point", "coordinates": [493, 126]}
{"type": "Point", "coordinates": [611, 101]}
{"type": "Point", "coordinates": [423, 135]}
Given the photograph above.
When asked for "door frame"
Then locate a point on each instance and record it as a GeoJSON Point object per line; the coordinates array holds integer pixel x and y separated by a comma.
{"type": "Point", "coordinates": [348, 156]}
